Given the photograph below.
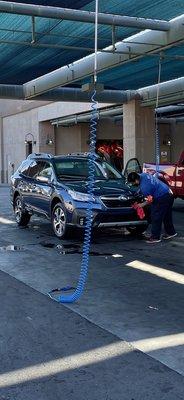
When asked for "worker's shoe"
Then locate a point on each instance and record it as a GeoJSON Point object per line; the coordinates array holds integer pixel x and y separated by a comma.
{"type": "Point", "coordinates": [166, 236]}
{"type": "Point", "coordinates": [151, 240]}
{"type": "Point", "coordinates": [146, 236]}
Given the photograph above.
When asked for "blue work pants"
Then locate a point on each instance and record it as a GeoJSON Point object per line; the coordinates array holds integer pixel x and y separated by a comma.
{"type": "Point", "coordinates": [161, 212]}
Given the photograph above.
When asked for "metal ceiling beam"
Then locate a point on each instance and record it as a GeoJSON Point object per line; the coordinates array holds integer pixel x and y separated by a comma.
{"type": "Point", "coordinates": [84, 67]}
{"type": "Point", "coordinates": [16, 92]}
{"type": "Point", "coordinates": [34, 45]}
{"type": "Point", "coordinates": [82, 16]}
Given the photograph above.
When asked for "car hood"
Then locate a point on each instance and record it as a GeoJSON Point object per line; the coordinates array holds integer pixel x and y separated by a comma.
{"type": "Point", "coordinates": [102, 187]}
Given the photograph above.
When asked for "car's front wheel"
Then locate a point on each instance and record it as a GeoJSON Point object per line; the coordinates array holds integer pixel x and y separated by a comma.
{"type": "Point", "coordinates": [59, 221]}
{"type": "Point", "coordinates": [22, 217]}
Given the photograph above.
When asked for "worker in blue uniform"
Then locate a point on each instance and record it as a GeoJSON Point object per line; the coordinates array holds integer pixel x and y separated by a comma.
{"type": "Point", "coordinates": [161, 206]}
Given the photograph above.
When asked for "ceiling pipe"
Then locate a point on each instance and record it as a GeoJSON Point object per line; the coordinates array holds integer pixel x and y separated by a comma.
{"type": "Point", "coordinates": [169, 91]}
{"type": "Point", "coordinates": [13, 92]}
{"type": "Point", "coordinates": [16, 92]}
{"type": "Point", "coordinates": [151, 42]}
{"type": "Point", "coordinates": [165, 120]}
{"type": "Point", "coordinates": [85, 117]}
{"type": "Point", "coordinates": [82, 16]}
{"type": "Point", "coordinates": [116, 113]}
{"type": "Point", "coordinates": [170, 109]}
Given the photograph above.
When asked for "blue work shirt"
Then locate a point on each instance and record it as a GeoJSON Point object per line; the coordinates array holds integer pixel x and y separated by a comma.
{"type": "Point", "coordinates": [150, 185]}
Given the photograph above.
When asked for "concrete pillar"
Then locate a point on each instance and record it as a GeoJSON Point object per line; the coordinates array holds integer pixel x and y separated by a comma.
{"type": "Point", "coordinates": [1, 152]}
{"type": "Point", "coordinates": [138, 132]}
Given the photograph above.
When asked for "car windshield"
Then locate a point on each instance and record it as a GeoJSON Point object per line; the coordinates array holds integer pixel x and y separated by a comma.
{"type": "Point", "coordinates": [78, 169]}
{"type": "Point", "coordinates": [108, 171]}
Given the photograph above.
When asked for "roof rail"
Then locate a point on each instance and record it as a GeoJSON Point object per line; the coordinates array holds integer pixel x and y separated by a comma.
{"type": "Point", "coordinates": [82, 154]}
{"type": "Point", "coordinates": [35, 155]}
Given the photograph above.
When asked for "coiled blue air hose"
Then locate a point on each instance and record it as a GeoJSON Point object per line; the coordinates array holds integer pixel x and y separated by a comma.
{"type": "Point", "coordinates": [157, 145]}
{"type": "Point", "coordinates": [157, 136]}
{"type": "Point", "coordinates": [90, 188]}
{"type": "Point", "coordinates": [89, 210]}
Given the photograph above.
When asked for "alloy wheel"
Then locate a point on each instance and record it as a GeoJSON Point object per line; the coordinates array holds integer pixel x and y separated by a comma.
{"type": "Point", "coordinates": [59, 221]}
{"type": "Point", "coordinates": [18, 210]}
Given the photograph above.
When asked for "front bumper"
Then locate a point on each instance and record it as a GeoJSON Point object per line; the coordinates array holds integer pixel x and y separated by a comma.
{"type": "Point", "coordinates": [125, 223]}
{"type": "Point", "coordinates": [110, 218]}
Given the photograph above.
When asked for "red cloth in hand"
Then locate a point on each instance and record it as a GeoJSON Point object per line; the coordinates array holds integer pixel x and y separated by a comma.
{"type": "Point", "coordinates": [149, 199]}
{"type": "Point", "coordinates": [139, 210]}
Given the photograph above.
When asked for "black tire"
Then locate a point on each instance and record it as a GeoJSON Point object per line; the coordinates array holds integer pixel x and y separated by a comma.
{"type": "Point", "coordinates": [59, 221]}
{"type": "Point", "coordinates": [22, 217]}
{"type": "Point", "coordinates": [137, 230]}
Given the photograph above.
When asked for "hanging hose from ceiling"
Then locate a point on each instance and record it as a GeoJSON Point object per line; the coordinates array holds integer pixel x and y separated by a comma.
{"type": "Point", "coordinates": [90, 187]}
{"type": "Point", "coordinates": [157, 136]}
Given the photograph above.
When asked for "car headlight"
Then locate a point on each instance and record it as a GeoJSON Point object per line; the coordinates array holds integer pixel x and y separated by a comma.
{"type": "Point", "coordinates": [81, 196]}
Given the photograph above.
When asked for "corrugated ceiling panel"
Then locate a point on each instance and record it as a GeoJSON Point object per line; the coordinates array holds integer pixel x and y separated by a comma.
{"type": "Point", "coordinates": [19, 63]}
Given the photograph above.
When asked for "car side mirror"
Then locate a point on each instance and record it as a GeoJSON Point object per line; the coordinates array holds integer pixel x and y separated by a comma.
{"type": "Point", "coordinates": [43, 179]}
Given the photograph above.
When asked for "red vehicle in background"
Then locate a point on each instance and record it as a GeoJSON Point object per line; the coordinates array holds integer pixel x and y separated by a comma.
{"type": "Point", "coordinates": [112, 152]}
{"type": "Point", "coordinates": [172, 174]}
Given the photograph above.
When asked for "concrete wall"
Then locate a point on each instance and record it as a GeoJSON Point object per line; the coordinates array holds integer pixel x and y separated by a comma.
{"type": "Point", "coordinates": [21, 117]}
{"type": "Point", "coordinates": [138, 133]}
{"type": "Point", "coordinates": [74, 138]}
{"type": "Point", "coordinates": [177, 140]}
{"type": "Point", "coordinates": [109, 130]}
{"type": "Point", "coordinates": [165, 136]}
{"type": "Point", "coordinates": [68, 139]}
{"type": "Point", "coordinates": [60, 109]}
{"type": "Point", "coordinates": [15, 128]}
{"type": "Point", "coordinates": [175, 133]}
{"type": "Point", "coordinates": [46, 132]}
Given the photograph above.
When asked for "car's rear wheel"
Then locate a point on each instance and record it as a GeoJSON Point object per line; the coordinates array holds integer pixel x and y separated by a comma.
{"type": "Point", "coordinates": [59, 221]}
{"type": "Point", "coordinates": [137, 230]}
{"type": "Point", "coordinates": [22, 217]}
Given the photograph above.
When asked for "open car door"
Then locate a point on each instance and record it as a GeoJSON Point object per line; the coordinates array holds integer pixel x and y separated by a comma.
{"type": "Point", "coordinates": [132, 165]}
{"type": "Point", "coordinates": [180, 177]}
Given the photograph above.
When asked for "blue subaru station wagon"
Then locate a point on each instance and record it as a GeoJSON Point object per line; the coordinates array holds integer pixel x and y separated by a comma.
{"type": "Point", "coordinates": [56, 187]}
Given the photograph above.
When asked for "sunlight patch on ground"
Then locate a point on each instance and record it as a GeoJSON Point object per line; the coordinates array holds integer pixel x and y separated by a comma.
{"type": "Point", "coordinates": [64, 364]}
{"type": "Point", "coordinates": [160, 342]}
{"type": "Point", "coordinates": [161, 272]}
{"type": "Point", "coordinates": [6, 221]}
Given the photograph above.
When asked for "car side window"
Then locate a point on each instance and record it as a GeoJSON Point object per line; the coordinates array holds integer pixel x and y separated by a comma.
{"type": "Point", "coordinates": [34, 169]}
{"type": "Point", "coordinates": [41, 169]}
{"type": "Point", "coordinates": [24, 167]}
{"type": "Point", "coordinates": [46, 170]}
